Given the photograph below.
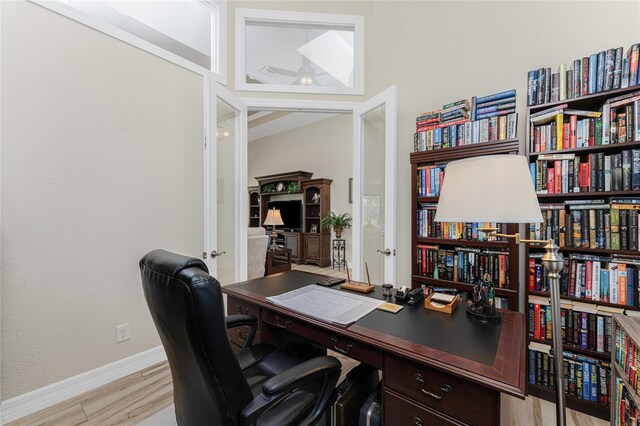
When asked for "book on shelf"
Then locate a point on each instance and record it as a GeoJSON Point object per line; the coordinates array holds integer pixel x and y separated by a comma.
{"type": "Point", "coordinates": [606, 279]}
{"type": "Point", "coordinates": [584, 325]}
{"type": "Point", "coordinates": [603, 71]}
{"type": "Point", "coordinates": [429, 228]}
{"type": "Point", "coordinates": [429, 180]}
{"type": "Point", "coordinates": [484, 119]}
{"type": "Point", "coordinates": [627, 356]}
{"type": "Point", "coordinates": [462, 264]}
{"type": "Point", "coordinates": [595, 172]}
{"type": "Point", "coordinates": [586, 378]}
{"type": "Point", "coordinates": [625, 411]}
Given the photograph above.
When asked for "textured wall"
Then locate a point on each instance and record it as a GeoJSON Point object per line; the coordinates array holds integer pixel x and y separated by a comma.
{"type": "Point", "coordinates": [101, 162]}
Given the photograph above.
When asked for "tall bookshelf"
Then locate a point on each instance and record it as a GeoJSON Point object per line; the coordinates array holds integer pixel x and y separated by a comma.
{"type": "Point", "coordinates": [626, 330]}
{"type": "Point", "coordinates": [592, 102]}
{"type": "Point", "coordinates": [445, 155]}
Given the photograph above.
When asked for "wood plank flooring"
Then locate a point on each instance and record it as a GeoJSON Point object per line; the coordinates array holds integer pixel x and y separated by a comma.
{"type": "Point", "coordinates": [138, 397]}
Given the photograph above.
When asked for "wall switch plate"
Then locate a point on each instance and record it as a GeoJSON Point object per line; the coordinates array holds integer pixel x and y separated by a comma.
{"type": "Point", "coordinates": [122, 333]}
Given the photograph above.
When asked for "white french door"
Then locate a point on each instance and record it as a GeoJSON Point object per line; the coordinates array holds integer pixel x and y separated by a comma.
{"type": "Point", "coordinates": [374, 186]}
{"type": "Point", "coordinates": [225, 245]}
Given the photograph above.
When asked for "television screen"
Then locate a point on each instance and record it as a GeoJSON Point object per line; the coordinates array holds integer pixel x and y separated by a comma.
{"type": "Point", "coordinates": [291, 212]}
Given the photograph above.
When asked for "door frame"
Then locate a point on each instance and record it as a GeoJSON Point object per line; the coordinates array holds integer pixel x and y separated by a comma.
{"type": "Point", "coordinates": [387, 98]}
{"type": "Point", "coordinates": [212, 91]}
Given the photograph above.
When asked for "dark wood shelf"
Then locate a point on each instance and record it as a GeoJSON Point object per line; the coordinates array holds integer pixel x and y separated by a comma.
{"type": "Point", "coordinates": [586, 150]}
{"type": "Point", "coordinates": [600, 355]}
{"type": "Point", "coordinates": [593, 251]}
{"type": "Point", "coordinates": [465, 151]}
{"type": "Point", "coordinates": [464, 243]}
{"type": "Point", "coordinates": [436, 282]}
{"type": "Point", "coordinates": [594, 100]}
{"type": "Point", "coordinates": [312, 218]}
{"type": "Point", "coordinates": [578, 404]}
{"type": "Point", "coordinates": [579, 299]}
{"type": "Point", "coordinates": [428, 199]}
{"type": "Point", "coordinates": [312, 204]}
{"type": "Point", "coordinates": [595, 194]}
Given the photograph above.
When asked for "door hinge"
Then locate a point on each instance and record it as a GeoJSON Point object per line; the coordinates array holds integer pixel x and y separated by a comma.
{"type": "Point", "coordinates": [204, 254]}
{"type": "Point", "coordinates": [205, 139]}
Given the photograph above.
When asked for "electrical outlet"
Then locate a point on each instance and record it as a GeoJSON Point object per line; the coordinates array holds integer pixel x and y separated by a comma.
{"type": "Point", "coordinates": [122, 333]}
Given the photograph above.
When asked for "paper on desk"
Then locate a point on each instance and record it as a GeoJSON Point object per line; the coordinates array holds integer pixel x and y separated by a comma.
{"type": "Point", "coordinates": [326, 304]}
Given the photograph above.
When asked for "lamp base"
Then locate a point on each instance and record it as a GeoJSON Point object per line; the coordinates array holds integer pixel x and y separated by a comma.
{"type": "Point", "coordinates": [478, 311]}
{"type": "Point", "coordinates": [273, 245]}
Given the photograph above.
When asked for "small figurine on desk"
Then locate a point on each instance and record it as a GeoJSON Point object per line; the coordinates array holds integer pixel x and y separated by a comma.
{"type": "Point", "coordinates": [484, 306]}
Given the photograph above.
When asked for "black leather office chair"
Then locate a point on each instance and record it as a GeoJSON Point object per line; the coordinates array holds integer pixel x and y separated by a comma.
{"type": "Point", "coordinates": [212, 385]}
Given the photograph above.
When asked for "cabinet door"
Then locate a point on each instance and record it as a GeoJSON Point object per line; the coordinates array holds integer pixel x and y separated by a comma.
{"type": "Point", "coordinates": [312, 246]}
{"type": "Point", "coordinates": [291, 242]}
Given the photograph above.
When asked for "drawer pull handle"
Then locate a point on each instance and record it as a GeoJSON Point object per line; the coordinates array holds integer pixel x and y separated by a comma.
{"type": "Point", "coordinates": [350, 345]}
{"type": "Point", "coordinates": [242, 337]}
{"type": "Point", "coordinates": [418, 421]}
{"type": "Point", "coordinates": [286, 322]}
{"type": "Point", "coordinates": [241, 310]}
{"type": "Point", "coordinates": [443, 390]}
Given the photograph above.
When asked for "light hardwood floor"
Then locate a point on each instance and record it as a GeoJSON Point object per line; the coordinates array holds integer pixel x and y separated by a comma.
{"type": "Point", "coordinates": [147, 397]}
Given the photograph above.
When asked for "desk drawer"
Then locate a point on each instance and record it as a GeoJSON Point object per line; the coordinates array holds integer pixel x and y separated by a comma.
{"type": "Point", "coordinates": [400, 411]}
{"type": "Point", "coordinates": [238, 335]}
{"type": "Point", "coordinates": [333, 341]}
{"type": "Point", "coordinates": [446, 393]}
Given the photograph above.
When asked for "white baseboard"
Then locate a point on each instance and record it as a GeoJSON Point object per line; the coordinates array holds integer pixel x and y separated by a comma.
{"type": "Point", "coordinates": [28, 403]}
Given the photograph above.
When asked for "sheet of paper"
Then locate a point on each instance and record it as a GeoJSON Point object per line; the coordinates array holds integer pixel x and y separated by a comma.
{"type": "Point", "coordinates": [327, 304]}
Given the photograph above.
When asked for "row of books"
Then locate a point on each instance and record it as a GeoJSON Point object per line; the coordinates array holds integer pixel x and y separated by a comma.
{"type": "Point", "coordinates": [627, 356]}
{"type": "Point", "coordinates": [596, 172]}
{"type": "Point", "coordinates": [599, 72]}
{"type": "Point", "coordinates": [585, 377]}
{"type": "Point", "coordinates": [466, 132]}
{"type": "Point", "coordinates": [429, 180]}
{"type": "Point", "coordinates": [584, 326]}
{"type": "Point", "coordinates": [488, 118]}
{"type": "Point", "coordinates": [592, 278]}
{"type": "Point", "coordinates": [463, 264]}
{"type": "Point", "coordinates": [609, 226]}
{"type": "Point", "coordinates": [428, 227]}
{"type": "Point", "coordinates": [559, 128]}
{"type": "Point", "coordinates": [625, 413]}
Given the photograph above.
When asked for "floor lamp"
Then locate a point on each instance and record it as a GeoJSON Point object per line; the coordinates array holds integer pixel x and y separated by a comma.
{"type": "Point", "coordinates": [498, 188]}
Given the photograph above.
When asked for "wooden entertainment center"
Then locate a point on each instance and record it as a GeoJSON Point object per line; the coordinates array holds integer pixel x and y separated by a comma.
{"type": "Point", "coordinates": [310, 243]}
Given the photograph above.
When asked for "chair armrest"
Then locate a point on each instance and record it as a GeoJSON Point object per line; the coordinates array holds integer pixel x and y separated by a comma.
{"type": "Point", "coordinates": [318, 375]}
{"type": "Point", "coordinates": [237, 320]}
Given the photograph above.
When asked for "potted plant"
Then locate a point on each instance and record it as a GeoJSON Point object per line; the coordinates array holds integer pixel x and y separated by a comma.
{"type": "Point", "coordinates": [337, 222]}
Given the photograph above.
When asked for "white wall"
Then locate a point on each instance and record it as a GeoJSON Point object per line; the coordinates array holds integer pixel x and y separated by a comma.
{"type": "Point", "coordinates": [438, 52]}
{"type": "Point", "coordinates": [101, 161]}
{"type": "Point", "coordinates": [323, 148]}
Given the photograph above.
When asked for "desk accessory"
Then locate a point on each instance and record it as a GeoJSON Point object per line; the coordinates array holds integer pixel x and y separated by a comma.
{"type": "Point", "coordinates": [354, 286]}
{"type": "Point", "coordinates": [415, 296]}
{"type": "Point", "coordinates": [483, 306]}
{"type": "Point", "coordinates": [386, 290]}
{"type": "Point", "coordinates": [328, 282]}
{"type": "Point", "coordinates": [390, 307]}
{"type": "Point", "coordinates": [498, 188]}
{"type": "Point", "coordinates": [441, 302]}
{"type": "Point", "coordinates": [402, 294]}
{"type": "Point", "coordinates": [274, 219]}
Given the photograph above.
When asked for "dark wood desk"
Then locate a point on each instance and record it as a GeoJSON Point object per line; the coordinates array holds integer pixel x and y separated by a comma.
{"type": "Point", "coordinates": [436, 368]}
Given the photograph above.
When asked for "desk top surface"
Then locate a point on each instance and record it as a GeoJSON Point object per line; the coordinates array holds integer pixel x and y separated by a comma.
{"type": "Point", "coordinates": [493, 351]}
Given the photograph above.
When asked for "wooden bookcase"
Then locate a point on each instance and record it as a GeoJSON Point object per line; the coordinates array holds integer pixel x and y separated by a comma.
{"type": "Point", "coordinates": [317, 241]}
{"type": "Point", "coordinates": [255, 220]}
{"type": "Point", "coordinates": [445, 155]}
{"type": "Point", "coordinates": [589, 103]}
{"type": "Point", "coordinates": [631, 327]}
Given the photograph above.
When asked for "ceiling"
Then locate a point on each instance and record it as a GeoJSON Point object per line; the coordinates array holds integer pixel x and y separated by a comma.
{"type": "Point", "coordinates": [268, 123]}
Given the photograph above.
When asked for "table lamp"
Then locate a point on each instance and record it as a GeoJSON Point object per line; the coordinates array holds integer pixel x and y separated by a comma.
{"type": "Point", "coordinates": [498, 188]}
{"type": "Point", "coordinates": [273, 218]}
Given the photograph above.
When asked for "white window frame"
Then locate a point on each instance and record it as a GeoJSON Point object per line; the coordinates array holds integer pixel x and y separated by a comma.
{"type": "Point", "coordinates": [218, 61]}
{"type": "Point", "coordinates": [276, 16]}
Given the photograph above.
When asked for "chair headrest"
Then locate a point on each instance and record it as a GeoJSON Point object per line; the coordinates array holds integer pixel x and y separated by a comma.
{"type": "Point", "coordinates": [170, 264]}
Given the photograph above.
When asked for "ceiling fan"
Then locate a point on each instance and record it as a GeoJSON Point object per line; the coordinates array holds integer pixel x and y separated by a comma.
{"type": "Point", "coordinates": [305, 76]}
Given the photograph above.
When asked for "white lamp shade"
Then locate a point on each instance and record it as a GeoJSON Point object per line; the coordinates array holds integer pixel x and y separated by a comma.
{"type": "Point", "coordinates": [273, 218]}
{"type": "Point", "coordinates": [492, 188]}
